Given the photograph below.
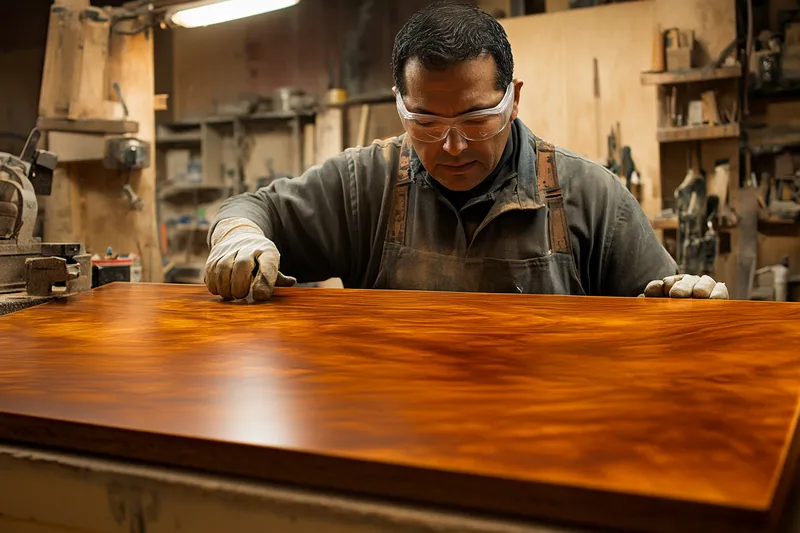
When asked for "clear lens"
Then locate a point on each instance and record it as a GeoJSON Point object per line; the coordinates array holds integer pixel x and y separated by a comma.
{"type": "Point", "coordinates": [426, 131]}
{"type": "Point", "coordinates": [482, 128]}
{"type": "Point", "coordinates": [474, 126]}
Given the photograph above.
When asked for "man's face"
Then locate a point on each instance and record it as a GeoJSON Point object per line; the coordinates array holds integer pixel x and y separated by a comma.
{"type": "Point", "coordinates": [455, 162]}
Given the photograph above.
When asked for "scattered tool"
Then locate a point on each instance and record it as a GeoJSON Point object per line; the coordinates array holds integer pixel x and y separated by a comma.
{"type": "Point", "coordinates": [127, 154]}
{"type": "Point", "coordinates": [747, 211]}
{"type": "Point", "coordinates": [697, 240]}
{"type": "Point", "coordinates": [772, 282]}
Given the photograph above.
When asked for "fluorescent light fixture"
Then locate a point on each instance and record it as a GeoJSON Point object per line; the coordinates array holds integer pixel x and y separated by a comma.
{"type": "Point", "coordinates": [205, 13]}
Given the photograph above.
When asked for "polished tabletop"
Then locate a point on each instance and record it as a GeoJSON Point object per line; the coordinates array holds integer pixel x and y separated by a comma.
{"type": "Point", "coordinates": [647, 414]}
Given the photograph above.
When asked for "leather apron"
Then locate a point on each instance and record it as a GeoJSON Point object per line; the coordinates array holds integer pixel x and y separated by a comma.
{"type": "Point", "coordinates": [406, 268]}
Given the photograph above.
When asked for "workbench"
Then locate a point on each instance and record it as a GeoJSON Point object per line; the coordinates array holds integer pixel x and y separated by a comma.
{"type": "Point", "coordinates": [143, 407]}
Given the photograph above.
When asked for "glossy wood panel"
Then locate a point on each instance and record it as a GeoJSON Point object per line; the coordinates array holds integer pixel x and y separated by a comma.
{"type": "Point", "coordinates": [648, 414]}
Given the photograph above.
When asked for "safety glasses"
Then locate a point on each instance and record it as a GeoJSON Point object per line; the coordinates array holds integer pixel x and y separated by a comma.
{"type": "Point", "coordinates": [474, 126]}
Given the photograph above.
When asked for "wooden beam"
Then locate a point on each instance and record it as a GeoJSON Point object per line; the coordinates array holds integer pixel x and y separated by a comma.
{"type": "Point", "coordinates": [664, 223]}
{"type": "Point", "coordinates": [691, 76]}
{"type": "Point", "coordinates": [89, 87]}
{"type": "Point", "coordinates": [99, 215]}
{"type": "Point", "coordinates": [131, 65]}
{"type": "Point", "coordinates": [76, 146]}
{"type": "Point", "coordinates": [161, 102]}
{"type": "Point", "coordinates": [698, 133]}
{"type": "Point", "coordinates": [93, 125]}
{"type": "Point", "coordinates": [62, 51]}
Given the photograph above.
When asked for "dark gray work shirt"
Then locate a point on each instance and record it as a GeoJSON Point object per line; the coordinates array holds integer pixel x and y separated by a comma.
{"type": "Point", "coordinates": [331, 221]}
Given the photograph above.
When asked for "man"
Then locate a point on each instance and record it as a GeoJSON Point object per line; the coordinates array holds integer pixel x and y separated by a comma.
{"type": "Point", "coordinates": [468, 200]}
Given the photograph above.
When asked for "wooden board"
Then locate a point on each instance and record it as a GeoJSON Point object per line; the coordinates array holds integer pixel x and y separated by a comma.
{"type": "Point", "coordinates": [330, 135]}
{"type": "Point", "coordinates": [72, 147]}
{"type": "Point", "coordinates": [554, 55]}
{"type": "Point", "coordinates": [99, 215]}
{"type": "Point", "coordinates": [698, 133]}
{"type": "Point", "coordinates": [382, 123]}
{"type": "Point", "coordinates": [61, 62]}
{"type": "Point", "coordinates": [95, 125]}
{"type": "Point", "coordinates": [712, 21]}
{"type": "Point", "coordinates": [640, 414]}
{"type": "Point", "coordinates": [691, 76]}
{"type": "Point", "coordinates": [89, 78]}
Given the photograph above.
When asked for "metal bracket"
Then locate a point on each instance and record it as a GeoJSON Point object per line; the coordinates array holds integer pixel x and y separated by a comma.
{"type": "Point", "coordinates": [42, 272]}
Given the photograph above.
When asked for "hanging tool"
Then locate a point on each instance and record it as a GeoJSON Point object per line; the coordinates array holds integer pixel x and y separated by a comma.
{"type": "Point", "coordinates": [127, 154]}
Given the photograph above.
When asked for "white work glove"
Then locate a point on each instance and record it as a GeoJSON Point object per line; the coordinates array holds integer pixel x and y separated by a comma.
{"type": "Point", "coordinates": [243, 259]}
{"type": "Point", "coordinates": [686, 286]}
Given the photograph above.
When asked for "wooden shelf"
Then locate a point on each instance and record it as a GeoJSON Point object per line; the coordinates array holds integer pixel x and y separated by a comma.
{"type": "Point", "coordinates": [230, 119]}
{"type": "Point", "coordinates": [691, 76]}
{"type": "Point", "coordinates": [198, 192]}
{"type": "Point", "coordinates": [698, 133]}
{"type": "Point", "coordinates": [87, 126]}
{"type": "Point", "coordinates": [767, 219]}
{"type": "Point", "coordinates": [255, 117]}
{"type": "Point", "coordinates": [179, 139]}
{"type": "Point", "coordinates": [192, 227]}
{"type": "Point", "coordinates": [178, 134]}
{"type": "Point", "coordinates": [380, 97]}
{"type": "Point", "coordinates": [671, 223]}
{"type": "Point", "coordinates": [772, 139]}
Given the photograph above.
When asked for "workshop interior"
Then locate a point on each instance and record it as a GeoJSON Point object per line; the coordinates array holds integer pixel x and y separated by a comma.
{"type": "Point", "coordinates": [126, 125]}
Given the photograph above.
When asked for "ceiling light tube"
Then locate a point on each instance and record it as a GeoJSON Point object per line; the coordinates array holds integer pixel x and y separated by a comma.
{"type": "Point", "coordinates": [205, 13]}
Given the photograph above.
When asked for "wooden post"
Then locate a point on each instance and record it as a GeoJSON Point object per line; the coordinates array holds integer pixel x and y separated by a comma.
{"type": "Point", "coordinates": [88, 89]}
{"type": "Point", "coordinates": [86, 204]}
{"type": "Point", "coordinates": [61, 55]}
{"type": "Point", "coordinates": [131, 65]}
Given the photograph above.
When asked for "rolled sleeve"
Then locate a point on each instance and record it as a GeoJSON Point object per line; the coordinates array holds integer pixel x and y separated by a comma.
{"type": "Point", "coordinates": [633, 255]}
{"type": "Point", "coordinates": [308, 218]}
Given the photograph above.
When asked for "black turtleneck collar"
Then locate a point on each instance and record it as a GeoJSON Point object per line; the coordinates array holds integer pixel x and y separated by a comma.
{"type": "Point", "coordinates": [459, 198]}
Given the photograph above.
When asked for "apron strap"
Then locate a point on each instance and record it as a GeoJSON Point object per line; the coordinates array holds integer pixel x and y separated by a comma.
{"type": "Point", "coordinates": [547, 178]}
{"type": "Point", "coordinates": [396, 228]}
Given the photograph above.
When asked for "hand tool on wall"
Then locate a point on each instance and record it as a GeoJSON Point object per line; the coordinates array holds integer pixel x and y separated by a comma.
{"type": "Point", "coordinates": [747, 211]}
{"type": "Point", "coordinates": [127, 154]}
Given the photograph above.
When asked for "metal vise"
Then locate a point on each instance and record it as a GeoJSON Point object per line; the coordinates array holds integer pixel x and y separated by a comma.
{"type": "Point", "coordinates": [25, 262]}
{"type": "Point", "coordinates": [42, 272]}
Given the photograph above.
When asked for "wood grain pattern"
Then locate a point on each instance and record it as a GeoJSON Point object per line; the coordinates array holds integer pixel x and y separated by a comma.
{"type": "Point", "coordinates": [646, 414]}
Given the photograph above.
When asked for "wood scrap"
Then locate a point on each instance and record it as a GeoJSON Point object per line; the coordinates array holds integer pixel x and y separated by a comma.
{"type": "Point", "coordinates": [710, 109]}
{"type": "Point", "coordinates": [657, 62]}
{"type": "Point", "coordinates": [61, 53]}
{"type": "Point", "coordinates": [748, 242]}
{"type": "Point", "coordinates": [363, 123]}
{"type": "Point", "coordinates": [160, 103]}
{"type": "Point", "coordinates": [673, 108]}
{"type": "Point", "coordinates": [89, 78]}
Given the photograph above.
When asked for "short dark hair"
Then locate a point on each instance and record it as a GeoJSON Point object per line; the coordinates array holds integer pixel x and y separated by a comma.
{"type": "Point", "coordinates": [445, 33]}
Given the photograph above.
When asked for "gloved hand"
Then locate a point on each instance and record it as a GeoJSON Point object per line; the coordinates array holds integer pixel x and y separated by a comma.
{"type": "Point", "coordinates": [686, 286]}
{"type": "Point", "coordinates": [243, 259]}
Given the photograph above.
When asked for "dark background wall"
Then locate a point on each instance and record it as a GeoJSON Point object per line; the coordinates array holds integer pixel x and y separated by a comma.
{"type": "Point", "coordinates": [23, 32]}
{"type": "Point", "coordinates": [302, 46]}
{"type": "Point", "coordinates": [205, 67]}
